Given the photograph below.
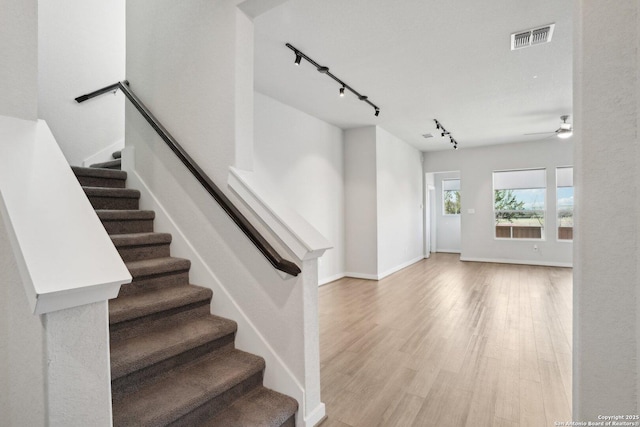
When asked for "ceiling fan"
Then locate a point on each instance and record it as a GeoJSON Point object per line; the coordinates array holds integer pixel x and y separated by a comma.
{"type": "Point", "coordinates": [564, 131]}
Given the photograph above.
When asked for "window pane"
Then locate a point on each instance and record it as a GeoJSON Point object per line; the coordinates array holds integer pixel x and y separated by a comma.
{"type": "Point", "coordinates": [564, 203]}
{"type": "Point", "coordinates": [451, 197]}
{"type": "Point", "coordinates": [451, 202]}
{"type": "Point", "coordinates": [519, 204]}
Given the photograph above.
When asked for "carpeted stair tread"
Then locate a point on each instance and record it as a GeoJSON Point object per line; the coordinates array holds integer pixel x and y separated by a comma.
{"type": "Point", "coordinates": [261, 407]}
{"type": "Point", "coordinates": [125, 193]}
{"type": "Point", "coordinates": [185, 388]}
{"type": "Point", "coordinates": [156, 266]}
{"type": "Point", "coordinates": [139, 239]}
{"type": "Point", "coordinates": [126, 214]}
{"type": "Point", "coordinates": [99, 173]}
{"type": "Point", "coordinates": [135, 353]}
{"type": "Point", "coordinates": [93, 177]}
{"type": "Point", "coordinates": [111, 164]}
{"type": "Point", "coordinates": [131, 307]}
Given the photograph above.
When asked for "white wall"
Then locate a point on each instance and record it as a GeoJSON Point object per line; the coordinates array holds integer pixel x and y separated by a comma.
{"type": "Point", "coordinates": [19, 53]}
{"type": "Point", "coordinates": [172, 45]}
{"type": "Point", "coordinates": [399, 203]}
{"type": "Point", "coordinates": [476, 166]}
{"type": "Point", "coordinates": [607, 256]}
{"type": "Point", "coordinates": [301, 159]}
{"type": "Point", "coordinates": [361, 213]}
{"type": "Point", "coordinates": [22, 383]}
{"type": "Point", "coordinates": [448, 230]}
{"type": "Point", "coordinates": [81, 48]}
{"type": "Point", "coordinates": [383, 203]}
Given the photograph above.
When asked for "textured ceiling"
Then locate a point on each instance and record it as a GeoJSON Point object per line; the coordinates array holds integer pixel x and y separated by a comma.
{"type": "Point", "coordinates": [419, 60]}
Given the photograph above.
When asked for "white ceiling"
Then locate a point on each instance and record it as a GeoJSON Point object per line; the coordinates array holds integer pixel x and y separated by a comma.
{"type": "Point", "coordinates": [419, 60]}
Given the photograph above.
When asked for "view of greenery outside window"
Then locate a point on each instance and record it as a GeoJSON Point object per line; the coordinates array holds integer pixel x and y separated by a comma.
{"type": "Point", "coordinates": [564, 202]}
{"type": "Point", "coordinates": [519, 203]}
{"type": "Point", "coordinates": [451, 196]}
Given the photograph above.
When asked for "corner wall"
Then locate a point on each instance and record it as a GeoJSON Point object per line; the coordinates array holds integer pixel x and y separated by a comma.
{"type": "Point", "coordinates": [476, 166]}
{"type": "Point", "coordinates": [81, 48]}
{"type": "Point", "coordinates": [19, 50]}
{"type": "Point", "coordinates": [383, 203]}
{"type": "Point", "coordinates": [302, 159]}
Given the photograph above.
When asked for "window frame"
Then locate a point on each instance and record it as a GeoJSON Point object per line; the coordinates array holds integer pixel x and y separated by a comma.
{"type": "Point", "coordinates": [558, 239]}
{"type": "Point", "coordinates": [444, 212]}
{"type": "Point", "coordinates": [544, 211]}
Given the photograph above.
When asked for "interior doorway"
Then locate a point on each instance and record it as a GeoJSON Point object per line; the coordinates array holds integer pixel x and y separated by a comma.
{"type": "Point", "coordinates": [444, 227]}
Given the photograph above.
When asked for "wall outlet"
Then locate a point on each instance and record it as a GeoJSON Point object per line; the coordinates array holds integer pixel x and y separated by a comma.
{"type": "Point", "coordinates": [471, 211]}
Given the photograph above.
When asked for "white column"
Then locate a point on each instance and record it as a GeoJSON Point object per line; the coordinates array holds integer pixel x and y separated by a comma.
{"type": "Point", "coordinates": [607, 210]}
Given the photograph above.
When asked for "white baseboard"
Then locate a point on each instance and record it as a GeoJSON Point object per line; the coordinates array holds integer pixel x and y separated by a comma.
{"type": "Point", "coordinates": [519, 262]}
{"type": "Point", "coordinates": [103, 155]}
{"type": "Point", "coordinates": [400, 267]}
{"type": "Point", "coordinates": [330, 279]}
{"type": "Point", "coordinates": [361, 276]}
{"type": "Point", "coordinates": [449, 251]}
{"type": "Point", "coordinates": [386, 273]}
{"type": "Point", "coordinates": [315, 416]}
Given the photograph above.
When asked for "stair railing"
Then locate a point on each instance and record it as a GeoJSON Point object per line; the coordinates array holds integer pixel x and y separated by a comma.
{"type": "Point", "coordinates": [247, 228]}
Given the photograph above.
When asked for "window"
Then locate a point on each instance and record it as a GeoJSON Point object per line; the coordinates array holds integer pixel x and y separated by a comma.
{"type": "Point", "coordinates": [451, 197]}
{"type": "Point", "coordinates": [519, 203]}
{"type": "Point", "coordinates": [564, 202]}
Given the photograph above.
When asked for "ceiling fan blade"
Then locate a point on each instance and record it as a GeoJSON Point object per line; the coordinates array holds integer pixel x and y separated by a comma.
{"type": "Point", "coordinates": [540, 133]}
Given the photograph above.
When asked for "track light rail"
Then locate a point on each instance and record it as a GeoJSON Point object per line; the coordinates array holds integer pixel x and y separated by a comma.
{"type": "Point", "coordinates": [325, 70]}
{"type": "Point", "coordinates": [445, 133]}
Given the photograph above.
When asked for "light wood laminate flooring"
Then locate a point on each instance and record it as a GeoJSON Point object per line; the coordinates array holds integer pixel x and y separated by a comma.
{"type": "Point", "coordinates": [448, 343]}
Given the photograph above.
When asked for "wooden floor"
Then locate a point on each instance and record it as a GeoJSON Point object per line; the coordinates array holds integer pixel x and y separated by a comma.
{"type": "Point", "coordinates": [448, 343]}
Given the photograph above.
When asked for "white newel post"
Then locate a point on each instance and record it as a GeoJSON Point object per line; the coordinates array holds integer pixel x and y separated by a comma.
{"type": "Point", "coordinates": [307, 245]}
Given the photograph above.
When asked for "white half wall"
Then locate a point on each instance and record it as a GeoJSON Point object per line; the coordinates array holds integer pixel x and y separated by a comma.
{"type": "Point", "coordinates": [399, 203]}
{"type": "Point", "coordinates": [19, 53]}
{"type": "Point", "coordinates": [476, 166]}
{"type": "Point", "coordinates": [81, 48]}
{"type": "Point", "coordinates": [22, 380]}
{"type": "Point", "coordinates": [301, 158]}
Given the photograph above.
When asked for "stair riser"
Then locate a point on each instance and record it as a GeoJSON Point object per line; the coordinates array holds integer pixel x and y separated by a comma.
{"type": "Point", "coordinates": [89, 181]}
{"type": "Point", "coordinates": [139, 378]}
{"type": "Point", "coordinates": [217, 404]}
{"type": "Point", "coordinates": [128, 226]}
{"type": "Point", "coordinates": [291, 422]}
{"type": "Point", "coordinates": [120, 203]}
{"type": "Point", "coordinates": [138, 253]}
{"type": "Point", "coordinates": [158, 321]}
{"type": "Point", "coordinates": [143, 284]}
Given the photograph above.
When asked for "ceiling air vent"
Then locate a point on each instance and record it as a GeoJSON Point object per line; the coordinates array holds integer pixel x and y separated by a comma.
{"type": "Point", "coordinates": [427, 135]}
{"type": "Point", "coordinates": [532, 37]}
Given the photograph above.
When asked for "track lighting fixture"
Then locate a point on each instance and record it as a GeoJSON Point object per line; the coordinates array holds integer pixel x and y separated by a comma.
{"type": "Point", "coordinates": [325, 70]}
{"type": "Point", "coordinates": [446, 133]}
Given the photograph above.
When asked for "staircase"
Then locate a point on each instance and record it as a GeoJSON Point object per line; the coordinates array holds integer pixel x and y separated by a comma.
{"type": "Point", "coordinates": [172, 362]}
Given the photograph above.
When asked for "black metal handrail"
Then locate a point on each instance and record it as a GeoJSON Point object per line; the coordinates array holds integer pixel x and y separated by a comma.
{"type": "Point", "coordinates": [249, 230]}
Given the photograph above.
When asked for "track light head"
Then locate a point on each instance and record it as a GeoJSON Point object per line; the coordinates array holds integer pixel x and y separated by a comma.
{"type": "Point", "coordinates": [377, 112]}
{"type": "Point", "coordinates": [298, 58]}
{"type": "Point", "coordinates": [455, 147]}
{"type": "Point", "coordinates": [342, 91]}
